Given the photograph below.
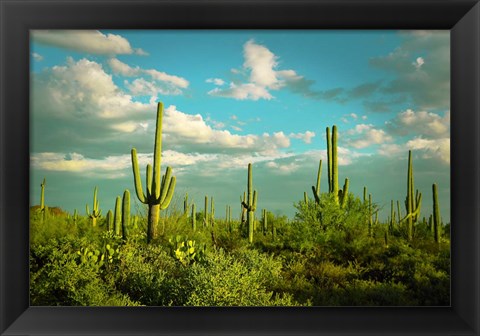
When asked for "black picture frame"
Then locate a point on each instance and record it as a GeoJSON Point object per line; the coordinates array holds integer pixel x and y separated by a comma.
{"type": "Point", "coordinates": [17, 17]}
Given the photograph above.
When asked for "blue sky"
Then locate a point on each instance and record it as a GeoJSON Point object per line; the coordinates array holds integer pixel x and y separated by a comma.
{"type": "Point", "coordinates": [234, 97]}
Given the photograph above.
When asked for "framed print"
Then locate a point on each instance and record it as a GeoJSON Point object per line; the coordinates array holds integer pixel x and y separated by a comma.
{"type": "Point", "coordinates": [231, 167]}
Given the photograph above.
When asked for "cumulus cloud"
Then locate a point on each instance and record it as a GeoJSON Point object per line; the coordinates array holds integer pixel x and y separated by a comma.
{"type": "Point", "coordinates": [159, 83]}
{"type": "Point", "coordinates": [305, 137]}
{"type": "Point", "coordinates": [420, 123]}
{"type": "Point", "coordinates": [365, 135]}
{"type": "Point", "coordinates": [192, 130]}
{"type": "Point", "coordinates": [81, 89]}
{"type": "Point", "coordinates": [247, 91]}
{"type": "Point", "coordinates": [282, 169]}
{"type": "Point", "coordinates": [89, 41]}
{"type": "Point", "coordinates": [37, 57]}
{"type": "Point", "coordinates": [438, 149]}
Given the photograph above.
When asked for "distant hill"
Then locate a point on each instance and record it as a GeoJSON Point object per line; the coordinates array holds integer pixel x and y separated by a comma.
{"type": "Point", "coordinates": [56, 211]}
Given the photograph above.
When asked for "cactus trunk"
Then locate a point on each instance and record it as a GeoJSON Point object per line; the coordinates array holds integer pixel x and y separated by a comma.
{"type": "Point", "coordinates": [125, 214]}
{"type": "Point", "coordinates": [251, 205]}
{"type": "Point", "coordinates": [117, 221]}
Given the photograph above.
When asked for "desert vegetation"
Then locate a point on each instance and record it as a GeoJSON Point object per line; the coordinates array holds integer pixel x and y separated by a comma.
{"type": "Point", "coordinates": [334, 252]}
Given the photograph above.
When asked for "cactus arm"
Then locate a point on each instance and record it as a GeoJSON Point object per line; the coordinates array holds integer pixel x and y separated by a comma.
{"type": "Point", "coordinates": [87, 210]}
{"type": "Point", "coordinates": [165, 185]}
{"type": "Point", "coordinates": [345, 192]}
{"type": "Point", "coordinates": [254, 205]}
{"type": "Point", "coordinates": [136, 176]}
{"type": "Point", "coordinates": [168, 197]}
{"type": "Point", "coordinates": [149, 181]}
{"type": "Point", "coordinates": [317, 199]}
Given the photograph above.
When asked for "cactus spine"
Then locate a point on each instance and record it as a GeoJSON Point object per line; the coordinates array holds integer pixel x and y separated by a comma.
{"type": "Point", "coordinates": [96, 212]}
{"type": "Point", "coordinates": [436, 214]}
{"type": "Point", "coordinates": [117, 217]}
{"type": "Point", "coordinates": [251, 206]}
{"type": "Point", "coordinates": [125, 213]}
{"type": "Point", "coordinates": [159, 192]}
{"type": "Point", "coordinates": [316, 188]}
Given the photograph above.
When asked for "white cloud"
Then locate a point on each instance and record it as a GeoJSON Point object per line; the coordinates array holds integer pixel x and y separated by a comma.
{"type": "Point", "coordinates": [185, 129]}
{"type": "Point", "coordinates": [89, 41]}
{"type": "Point", "coordinates": [236, 128]}
{"type": "Point", "coordinates": [421, 123]}
{"type": "Point", "coordinates": [246, 91]}
{"type": "Point", "coordinates": [130, 126]}
{"type": "Point", "coordinates": [363, 135]}
{"type": "Point", "coordinates": [260, 64]}
{"type": "Point", "coordinates": [82, 89]}
{"type": "Point", "coordinates": [419, 62]}
{"type": "Point", "coordinates": [37, 57]}
{"type": "Point", "coordinates": [282, 169]}
{"type": "Point", "coordinates": [162, 82]}
{"type": "Point", "coordinates": [438, 149]}
{"type": "Point", "coordinates": [216, 81]}
{"type": "Point", "coordinates": [305, 137]}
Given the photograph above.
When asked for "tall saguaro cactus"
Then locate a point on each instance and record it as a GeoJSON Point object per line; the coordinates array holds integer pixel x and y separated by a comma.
{"type": "Point", "coordinates": [332, 157]}
{"type": "Point", "coordinates": [185, 205]}
{"type": "Point", "coordinates": [96, 212]}
{"type": "Point", "coordinates": [159, 192]}
{"type": "Point", "coordinates": [109, 220]}
{"type": "Point", "coordinates": [205, 216]}
{"type": "Point", "coordinates": [344, 193]}
{"type": "Point", "coordinates": [117, 217]}
{"type": "Point", "coordinates": [251, 206]}
{"type": "Point", "coordinates": [436, 214]}
{"type": "Point", "coordinates": [413, 201]}
{"type": "Point", "coordinates": [42, 195]}
{"type": "Point", "coordinates": [125, 214]}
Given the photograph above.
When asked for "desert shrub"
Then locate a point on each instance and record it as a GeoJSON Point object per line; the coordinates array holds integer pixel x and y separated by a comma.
{"type": "Point", "coordinates": [151, 276]}
{"type": "Point", "coordinates": [63, 280]}
{"type": "Point", "coordinates": [226, 281]}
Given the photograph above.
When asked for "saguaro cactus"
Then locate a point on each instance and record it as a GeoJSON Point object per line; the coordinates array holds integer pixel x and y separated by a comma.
{"type": "Point", "coordinates": [344, 193]}
{"type": "Point", "coordinates": [243, 209]}
{"type": "Point", "coordinates": [332, 157]}
{"type": "Point", "coordinates": [159, 192]}
{"type": "Point", "coordinates": [251, 206]}
{"type": "Point", "coordinates": [316, 188]}
{"type": "Point", "coordinates": [42, 194]}
{"type": "Point", "coordinates": [436, 214]}
{"type": "Point", "coordinates": [117, 217]}
{"type": "Point", "coordinates": [125, 213]}
{"type": "Point", "coordinates": [194, 218]}
{"type": "Point", "coordinates": [412, 202]}
{"type": "Point", "coordinates": [96, 212]}
{"type": "Point", "coordinates": [185, 204]}
{"type": "Point", "coordinates": [109, 220]}
{"type": "Point", "coordinates": [205, 216]}
{"type": "Point", "coordinates": [265, 223]}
